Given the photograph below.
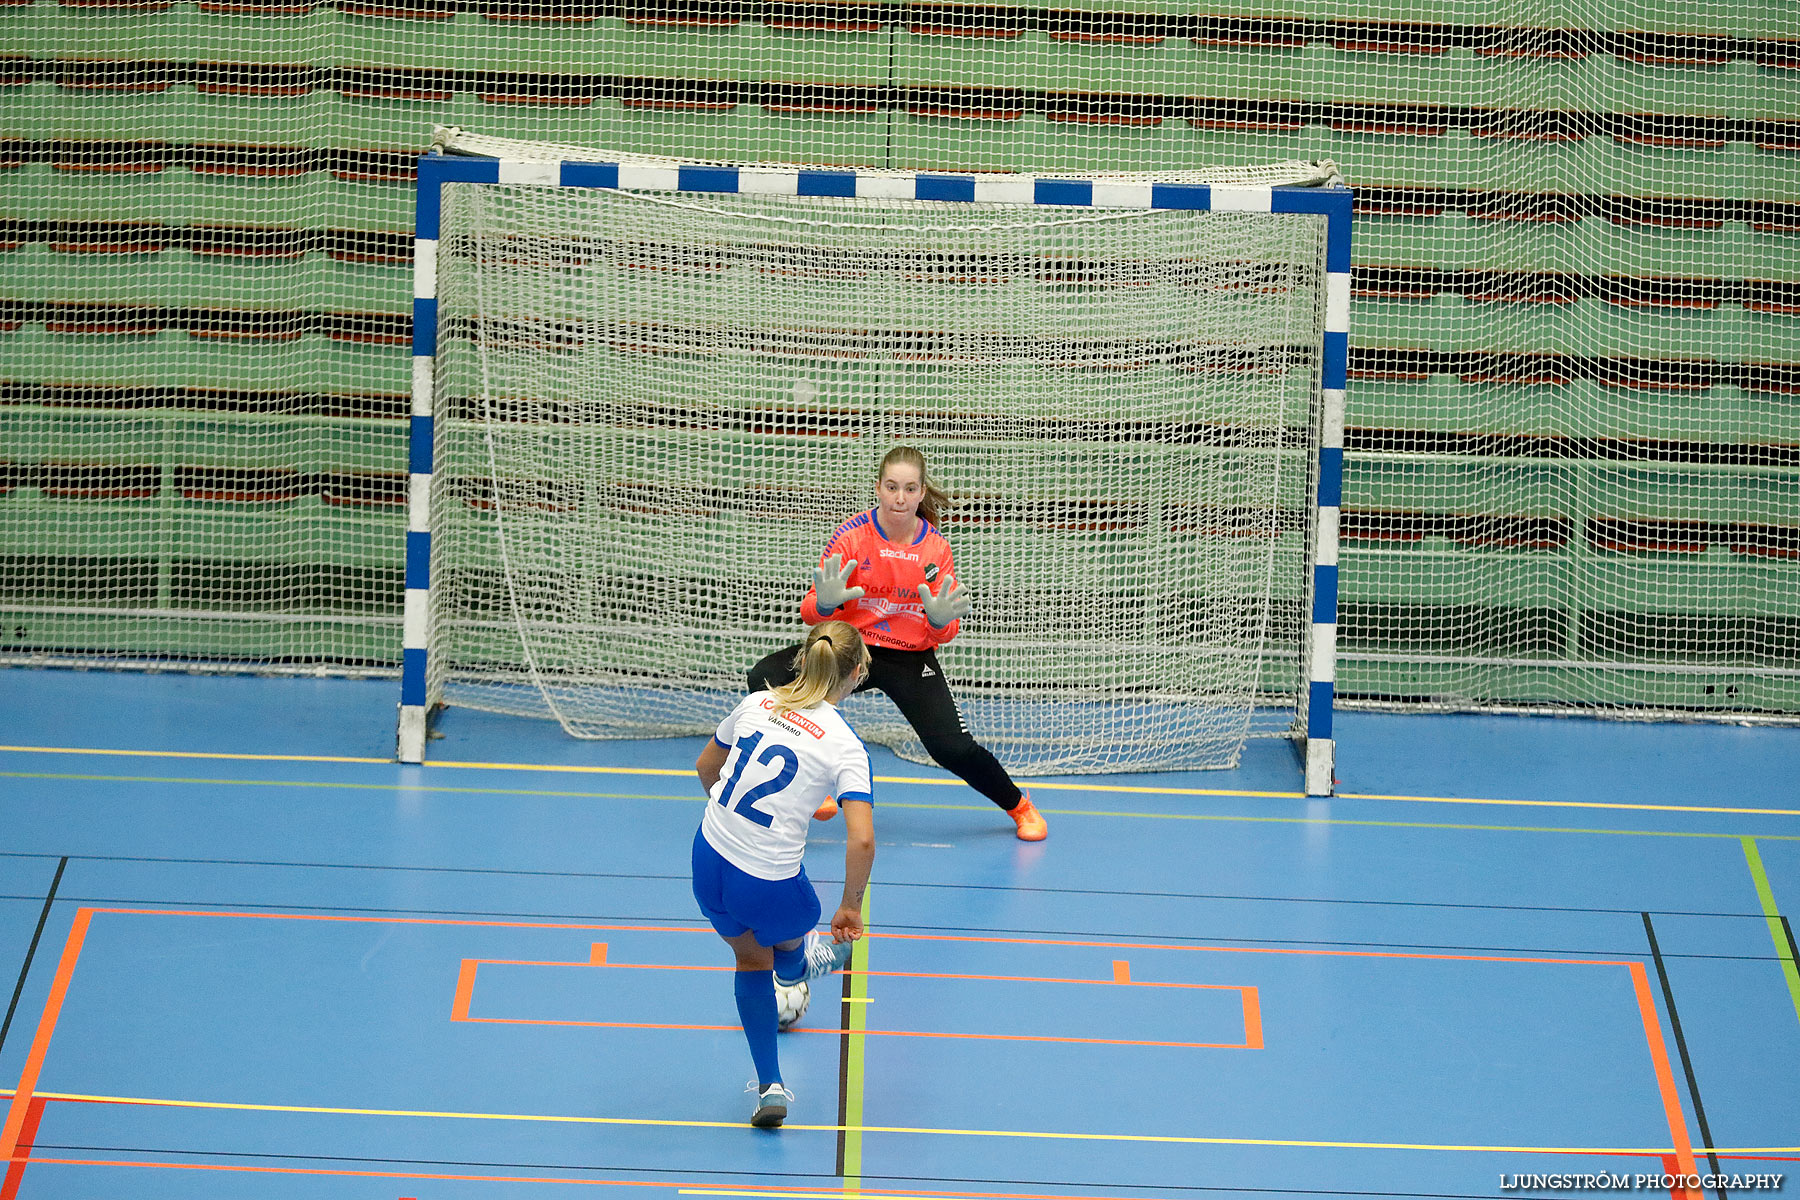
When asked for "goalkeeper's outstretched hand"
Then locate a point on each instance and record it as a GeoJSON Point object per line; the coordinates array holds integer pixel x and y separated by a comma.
{"type": "Point", "coordinates": [951, 603]}
{"type": "Point", "coordinates": [831, 584]}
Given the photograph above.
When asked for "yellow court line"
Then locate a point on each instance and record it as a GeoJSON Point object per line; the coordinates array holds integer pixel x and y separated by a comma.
{"type": "Point", "coordinates": [569, 768]}
{"type": "Point", "coordinates": [1244, 818]}
{"type": "Point", "coordinates": [324, 1110]}
{"type": "Point", "coordinates": [585, 769]}
{"type": "Point", "coordinates": [1099, 788]}
{"type": "Point", "coordinates": [566, 768]}
{"type": "Point", "coordinates": [316, 758]}
{"type": "Point", "coordinates": [1033, 1134]}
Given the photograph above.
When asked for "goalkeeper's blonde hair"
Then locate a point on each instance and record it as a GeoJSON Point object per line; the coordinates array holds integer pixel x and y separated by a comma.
{"type": "Point", "coordinates": [830, 655]}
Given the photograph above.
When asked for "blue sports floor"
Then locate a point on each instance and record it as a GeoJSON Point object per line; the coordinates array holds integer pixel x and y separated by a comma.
{"type": "Point", "coordinates": [255, 958]}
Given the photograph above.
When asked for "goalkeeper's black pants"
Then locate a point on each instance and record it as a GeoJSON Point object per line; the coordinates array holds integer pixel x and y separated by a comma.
{"type": "Point", "coordinates": [915, 682]}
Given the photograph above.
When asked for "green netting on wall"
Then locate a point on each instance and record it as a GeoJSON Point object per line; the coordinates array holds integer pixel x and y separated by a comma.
{"type": "Point", "coordinates": [1573, 474]}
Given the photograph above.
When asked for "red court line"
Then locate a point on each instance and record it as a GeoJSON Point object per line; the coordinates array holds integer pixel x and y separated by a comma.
{"type": "Point", "coordinates": [1757, 1157]}
{"type": "Point", "coordinates": [15, 1170]}
{"type": "Point", "coordinates": [20, 1108]}
{"type": "Point", "coordinates": [1672, 1166]}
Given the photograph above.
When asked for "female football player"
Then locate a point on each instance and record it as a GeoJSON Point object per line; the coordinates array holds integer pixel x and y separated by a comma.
{"type": "Point", "coordinates": [895, 554]}
{"type": "Point", "coordinates": [766, 769]}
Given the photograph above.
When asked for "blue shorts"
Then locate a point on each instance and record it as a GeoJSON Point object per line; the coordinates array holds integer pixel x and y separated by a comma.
{"type": "Point", "coordinates": [775, 910]}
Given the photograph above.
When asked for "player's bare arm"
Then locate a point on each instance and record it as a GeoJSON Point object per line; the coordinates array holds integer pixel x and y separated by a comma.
{"type": "Point", "coordinates": [709, 764]}
{"type": "Point", "coordinates": [859, 856]}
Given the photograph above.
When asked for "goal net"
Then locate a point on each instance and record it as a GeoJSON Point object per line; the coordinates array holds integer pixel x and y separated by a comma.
{"type": "Point", "coordinates": [652, 407]}
{"type": "Point", "coordinates": [1572, 465]}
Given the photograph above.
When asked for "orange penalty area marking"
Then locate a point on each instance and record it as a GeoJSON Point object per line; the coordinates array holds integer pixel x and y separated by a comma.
{"type": "Point", "coordinates": [1665, 1075]}
{"type": "Point", "coordinates": [1031, 1134]}
{"type": "Point", "coordinates": [19, 1111]}
{"type": "Point", "coordinates": [1249, 1003]}
{"type": "Point", "coordinates": [920, 781]}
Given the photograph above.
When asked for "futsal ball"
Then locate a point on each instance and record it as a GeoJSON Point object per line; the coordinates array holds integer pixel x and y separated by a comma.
{"type": "Point", "coordinates": [790, 1004]}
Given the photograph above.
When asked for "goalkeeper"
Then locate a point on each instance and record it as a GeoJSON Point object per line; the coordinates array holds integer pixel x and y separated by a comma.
{"type": "Point", "coordinates": [906, 602]}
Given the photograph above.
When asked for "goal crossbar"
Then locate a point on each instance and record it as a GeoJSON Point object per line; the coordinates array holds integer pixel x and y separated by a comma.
{"type": "Point", "coordinates": [1331, 202]}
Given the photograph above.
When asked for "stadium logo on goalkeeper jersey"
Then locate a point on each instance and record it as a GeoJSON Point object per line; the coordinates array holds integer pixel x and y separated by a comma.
{"type": "Point", "coordinates": [890, 552]}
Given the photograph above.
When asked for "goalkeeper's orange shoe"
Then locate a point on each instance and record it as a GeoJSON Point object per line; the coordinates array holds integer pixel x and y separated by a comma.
{"type": "Point", "coordinates": [827, 810]}
{"type": "Point", "coordinates": [1029, 820]}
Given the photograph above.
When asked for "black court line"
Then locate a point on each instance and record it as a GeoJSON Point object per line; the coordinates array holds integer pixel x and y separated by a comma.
{"type": "Point", "coordinates": [843, 1107]}
{"type": "Point", "coordinates": [1687, 1063]}
{"type": "Point", "coordinates": [1759, 915]}
{"type": "Point", "coordinates": [1793, 947]}
{"type": "Point", "coordinates": [31, 952]}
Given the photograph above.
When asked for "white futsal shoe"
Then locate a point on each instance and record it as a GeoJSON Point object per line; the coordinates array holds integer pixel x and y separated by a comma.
{"type": "Point", "coordinates": [823, 956]}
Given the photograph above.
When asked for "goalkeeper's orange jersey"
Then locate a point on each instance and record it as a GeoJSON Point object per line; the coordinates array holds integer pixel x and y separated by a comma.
{"type": "Point", "coordinates": [889, 573]}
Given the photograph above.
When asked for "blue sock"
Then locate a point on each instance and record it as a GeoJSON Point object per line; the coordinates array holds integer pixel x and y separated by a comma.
{"type": "Point", "coordinates": [756, 1009]}
{"type": "Point", "coordinates": [791, 964]}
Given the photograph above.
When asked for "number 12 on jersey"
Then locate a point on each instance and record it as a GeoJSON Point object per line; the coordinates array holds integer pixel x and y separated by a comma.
{"type": "Point", "coordinates": [746, 746]}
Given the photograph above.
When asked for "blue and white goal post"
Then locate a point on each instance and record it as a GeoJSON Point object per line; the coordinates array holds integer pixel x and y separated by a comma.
{"type": "Point", "coordinates": [1332, 203]}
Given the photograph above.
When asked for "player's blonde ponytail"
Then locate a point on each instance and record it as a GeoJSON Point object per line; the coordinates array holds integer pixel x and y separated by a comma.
{"type": "Point", "coordinates": [828, 657]}
{"type": "Point", "coordinates": [936, 501]}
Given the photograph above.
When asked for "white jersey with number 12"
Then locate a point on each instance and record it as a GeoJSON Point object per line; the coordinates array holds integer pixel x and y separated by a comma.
{"type": "Point", "coordinates": [779, 770]}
